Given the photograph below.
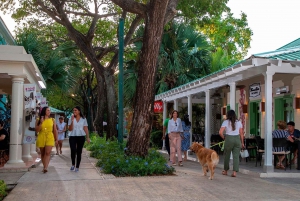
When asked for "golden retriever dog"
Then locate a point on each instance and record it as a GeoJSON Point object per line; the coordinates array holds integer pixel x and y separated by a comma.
{"type": "Point", "coordinates": [207, 158]}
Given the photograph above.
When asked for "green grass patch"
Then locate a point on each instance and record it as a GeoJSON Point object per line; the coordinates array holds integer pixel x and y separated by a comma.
{"type": "Point", "coordinates": [113, 160]}
{"type": "Point", "coordinates": [3, 192]}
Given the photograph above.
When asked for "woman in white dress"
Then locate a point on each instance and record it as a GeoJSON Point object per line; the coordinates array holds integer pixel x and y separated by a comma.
{"type": "Point", "coordinates": [61, 128]}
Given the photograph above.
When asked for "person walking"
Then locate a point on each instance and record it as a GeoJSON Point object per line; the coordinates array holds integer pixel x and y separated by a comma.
{"type": "Point", "coordinates": [234, 141]}
{"type": "Point", "coordinates": [61, 128]}
{"type": "Point", "coordinates": [165, 134]}
{"type": "Point", "coordinates": [175, 134]}
{"type": "Point", "coordinates": [79, 132]}
{"type": "Point", "coordinates": [47, 134]}
{"type": "Point", "coordinates": [185, 143]}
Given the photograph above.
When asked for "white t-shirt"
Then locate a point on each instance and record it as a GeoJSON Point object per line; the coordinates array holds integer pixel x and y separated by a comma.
{"type": "Point", "coordinates": [228, 127]}
{"type": "Point", "coordinates": [78, 127]}
{"type": "Point", "coordinates": [61, 127]}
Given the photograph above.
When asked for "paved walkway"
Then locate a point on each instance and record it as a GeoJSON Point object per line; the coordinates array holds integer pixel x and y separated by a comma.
{"type": "Point", "coordinates": [88, 184]}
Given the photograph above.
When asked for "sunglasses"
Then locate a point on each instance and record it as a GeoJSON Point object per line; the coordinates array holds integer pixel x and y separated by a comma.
{"type": "Point", "coordinates": [175, 123]}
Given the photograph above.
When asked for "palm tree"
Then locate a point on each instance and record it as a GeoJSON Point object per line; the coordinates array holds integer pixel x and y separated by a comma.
{"type": "Point", "coordinates": [56, 64]}
{"type": "Point", "coordinates": [221, 60]}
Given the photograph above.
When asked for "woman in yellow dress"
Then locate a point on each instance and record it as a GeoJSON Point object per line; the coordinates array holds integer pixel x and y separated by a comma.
{"type": "Point", "coordinates": [45, 126]}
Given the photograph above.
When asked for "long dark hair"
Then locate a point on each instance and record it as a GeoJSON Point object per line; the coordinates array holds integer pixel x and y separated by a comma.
{"type": "Point", "coordinates": [186, 120]}
{"type": "Point", "coordinates": [173, 113]}
{"type": "Point", "coordinates": [42, 114]}
{"type": "Point", "coordinates": [231, 116]}
{"type": "Point", "coordinates": [80, 112]}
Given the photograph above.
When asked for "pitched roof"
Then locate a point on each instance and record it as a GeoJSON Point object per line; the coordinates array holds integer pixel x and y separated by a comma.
{"type": "Point", "coordinates": [290, 51]}
{"type": "Point", "coordinates": [294, 43]}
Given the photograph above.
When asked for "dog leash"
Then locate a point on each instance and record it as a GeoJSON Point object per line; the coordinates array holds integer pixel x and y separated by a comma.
{"type": "Point", "coordinates": [221, 145]}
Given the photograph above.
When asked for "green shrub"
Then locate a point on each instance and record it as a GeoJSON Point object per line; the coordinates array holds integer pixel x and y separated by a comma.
{"type": "Point", "coordinates": [113, 160]}
{"type": "Point", "coordinates": [156, 139]}
{"type": "Point", "coordinates": [2, 190]}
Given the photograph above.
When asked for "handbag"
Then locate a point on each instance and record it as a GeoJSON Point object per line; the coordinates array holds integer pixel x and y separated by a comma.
{"type": "Point", "coordinates": [244, 153]}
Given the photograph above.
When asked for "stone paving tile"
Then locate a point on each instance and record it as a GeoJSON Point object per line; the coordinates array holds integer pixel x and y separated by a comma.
{"type": "Point", "coordinates": [11, 178]}
{"type": "Point", "coordinates": [188, 184]}
{"type": "Point", "coordinates": [182, 187]}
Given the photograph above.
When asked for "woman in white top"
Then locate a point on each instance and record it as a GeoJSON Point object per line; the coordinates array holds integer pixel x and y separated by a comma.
{"type": "Point", "coordinates": [175, 132]}
{"type": "Point", "coordinates": [78, 128]}
{"type": "Point", "coordinates": [233, 142]}
{"type": "Point", "coordinates": [61, 129]}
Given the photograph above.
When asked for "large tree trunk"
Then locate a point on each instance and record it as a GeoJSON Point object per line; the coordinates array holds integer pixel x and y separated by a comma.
{"type": "Point", "coordinates": [111, 105]}
{"type": "Point", "coordinates": [98, 122]}
{"type": "Point", "coordinates": [138, 142]}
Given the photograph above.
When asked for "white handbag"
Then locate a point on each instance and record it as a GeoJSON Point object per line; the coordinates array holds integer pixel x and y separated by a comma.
{"type": "Point", "coordinates": [244, 153]}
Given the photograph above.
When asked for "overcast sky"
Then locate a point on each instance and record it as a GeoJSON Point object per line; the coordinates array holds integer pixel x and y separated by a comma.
{"type": "Point", "coordinates": [274, 22]}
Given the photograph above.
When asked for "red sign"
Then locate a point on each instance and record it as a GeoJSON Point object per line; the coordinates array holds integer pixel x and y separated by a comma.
{"type": "Point", "coordinates": [158, 107]}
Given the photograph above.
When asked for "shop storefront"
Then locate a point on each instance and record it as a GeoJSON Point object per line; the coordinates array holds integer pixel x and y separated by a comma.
{"type": "Point", "coordinates": [262, 89]}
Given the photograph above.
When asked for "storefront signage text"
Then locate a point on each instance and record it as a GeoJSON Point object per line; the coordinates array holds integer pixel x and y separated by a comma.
{"type": "Point", "coordinates": [254, 90]}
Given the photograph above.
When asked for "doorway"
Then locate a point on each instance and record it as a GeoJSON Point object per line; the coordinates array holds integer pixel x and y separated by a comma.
{"type": "Point", "coordinates": [283, 109]}
{"type": "Point", "coordinates": [255, 118]}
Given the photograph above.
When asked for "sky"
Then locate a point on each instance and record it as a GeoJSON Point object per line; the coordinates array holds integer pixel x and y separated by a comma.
{"type": "Point", "coordinates": [274, 22]}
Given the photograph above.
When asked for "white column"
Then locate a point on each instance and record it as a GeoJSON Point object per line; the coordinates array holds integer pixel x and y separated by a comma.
{"type": "Point", "coordinates": [190, 113]}
{"type": "Point", "coordinates": [16, 131]}
{"type": "Point", "coordinates": [176, 104]}
{"type": "Point", "coordinates": [232, 95]}
{"type": "Point", "coordinates": [164, 118]}
{"type": "Point", "coordinates": [207, 119]}
{"type": "Point", "coordinates": [268, 165]}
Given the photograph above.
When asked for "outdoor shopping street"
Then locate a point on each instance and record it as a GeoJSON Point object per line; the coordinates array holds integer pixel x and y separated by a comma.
{"type": "Point", "coordinates": [188, 184]}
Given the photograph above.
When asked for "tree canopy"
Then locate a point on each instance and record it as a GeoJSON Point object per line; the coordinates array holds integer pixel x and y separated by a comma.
{"type": "Point", "coordinates": [92, 26]}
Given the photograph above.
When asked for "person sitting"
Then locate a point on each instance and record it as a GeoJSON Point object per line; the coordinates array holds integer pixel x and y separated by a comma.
{"type": "Point", "coordinates": [281, 133]}
{"type": "Point", "coordinates": [294, 133]}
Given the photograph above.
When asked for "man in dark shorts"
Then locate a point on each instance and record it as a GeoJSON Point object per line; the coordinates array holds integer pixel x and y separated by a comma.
{"type": "Point", "coordinates": [294, 133]}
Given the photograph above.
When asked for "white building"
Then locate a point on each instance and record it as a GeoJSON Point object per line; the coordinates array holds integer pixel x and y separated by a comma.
{"type": "Point", "coordinates": [262, 89]}
{"type": "Point", "coordinates": [16, 69]}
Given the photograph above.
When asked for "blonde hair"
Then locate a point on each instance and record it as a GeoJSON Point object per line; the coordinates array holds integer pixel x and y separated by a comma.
{"type": "Point", "coordinates": [281, 124]}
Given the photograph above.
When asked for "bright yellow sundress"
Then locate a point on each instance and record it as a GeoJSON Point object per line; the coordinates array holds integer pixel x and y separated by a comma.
{"type": "Point", "coordinates": [45, 136]}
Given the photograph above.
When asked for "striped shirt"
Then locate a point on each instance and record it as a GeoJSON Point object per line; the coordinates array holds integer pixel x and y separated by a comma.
{"type": "Point", "coordinates": [279, 134]}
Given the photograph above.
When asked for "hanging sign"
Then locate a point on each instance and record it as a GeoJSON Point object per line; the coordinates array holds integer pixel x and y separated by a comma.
{"type": "Point", "coordinates": [44, 102]}
{"type": "Point", "coordinates": [158, 107]}
{"type": "Point", "coordinates": [29, 96]}
{"type": "Point", "coordinates": [254, 90]}
{"type": "Point", "coordinates": [29, 113]}
{"type": "Point", "coordinates": [39, 97]}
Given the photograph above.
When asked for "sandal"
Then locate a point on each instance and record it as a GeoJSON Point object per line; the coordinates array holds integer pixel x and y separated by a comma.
{"type": "Point", "coordinates": [174, 164]}
{"type": "Point", "coordinates": [233, 175]}
{"type": "Point", "coordinates": [44, 170]}
{"type": "Point", "coordinates": [279, 166]}
{"type": "Point", "coordinates": [224, 172]}
{"type": "Point", "coordinates": [180, 164]}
